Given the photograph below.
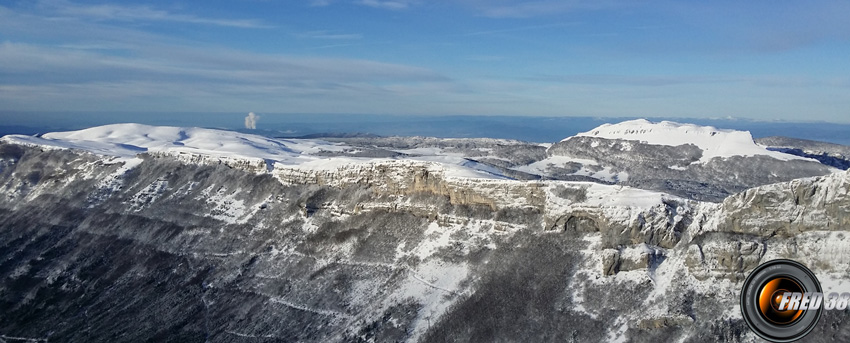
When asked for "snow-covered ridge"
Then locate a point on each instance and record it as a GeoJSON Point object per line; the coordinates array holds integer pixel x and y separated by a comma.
{"type": "Point", "coordinates": [125, 140]}
{"type": "Point", "coordinates": [192, 144]}
{"type": "Point", "coordinates": [712, 141]}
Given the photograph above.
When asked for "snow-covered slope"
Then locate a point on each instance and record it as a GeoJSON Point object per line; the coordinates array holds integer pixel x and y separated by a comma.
{"type": "Point", "coordinates": [712, 141]}
{"type": "Point", "coordinates": [131, 139]}
{"type": "Point", "coordinates": [128, 140]}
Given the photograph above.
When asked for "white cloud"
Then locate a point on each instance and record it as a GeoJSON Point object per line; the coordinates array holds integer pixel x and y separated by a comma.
{"type": "Point", "coordinates": [138, 13]}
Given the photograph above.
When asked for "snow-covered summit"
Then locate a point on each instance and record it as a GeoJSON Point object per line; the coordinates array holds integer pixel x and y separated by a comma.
{"type": "Point", "coordinates": [127, 140]}
{"type": "Point", "coordinates": [712, 141]}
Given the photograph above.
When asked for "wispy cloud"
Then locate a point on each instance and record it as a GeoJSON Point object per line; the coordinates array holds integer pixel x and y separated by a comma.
{"type": "Point", "coordinates": [38, 77]}
{"type": "Point", "coordinates": [525, 9]}
{"type": "Point", "coordinates": [341, 45]}
{"type": "Point", "coordinates": [112, 12]}
{"type": "Point", "coordinates": [678, 80]}
{"type": "Point", "coordinates": [519, 29]}
{"type": "Point", "coordinates": [48, 63]}
{"type": "Point", "coordinates": [382, 4]}
{"type": "Point", "coordinates": [633, 80]}
{"type": "Point", "coordinates": [388, 4]}
{"type": "Point", "coordinates": [95, 46]}
{"type": "Point", "coordinates": [105, 65]}
{"type": "Point", "coordinates": [328, 35]}
{"type": "Point", "coordinates": [536, 8]}
{"type": "Point", "coordinates": [486, 58]}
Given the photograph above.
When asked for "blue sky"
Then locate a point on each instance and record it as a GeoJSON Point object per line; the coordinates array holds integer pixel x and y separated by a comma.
{"type": "Point", "coordinates": [770, 60]}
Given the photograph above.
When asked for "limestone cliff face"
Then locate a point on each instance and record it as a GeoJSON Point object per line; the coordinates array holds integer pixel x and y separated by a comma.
{"type": "Point", "coordinates": [171, 247]}
{"type": "Point", "coordinates": [804, 219]}
{"type": "Point", "coordinates": [790, 208]}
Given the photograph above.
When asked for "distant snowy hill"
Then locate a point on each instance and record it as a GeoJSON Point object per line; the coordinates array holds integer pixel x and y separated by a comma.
{"type": "Point", "coordinates": [129, 139]}
{"type": "Point", "coordinates": [712, 141]}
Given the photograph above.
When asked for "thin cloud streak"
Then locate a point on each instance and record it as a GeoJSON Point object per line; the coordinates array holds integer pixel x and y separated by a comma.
{"type": "Point", "coordinates": [674, 80]}
{"type": "Point", "coordinates": [322, 34]}
{"type": "Point", "coordinates": [388, 4]}
{"type": "Point", "coordinates": [528, 9]}
{"type": "Point", "coordinates": [201, 64]}
{"type": "Point", "coordinates": [519, 29]}
{"type": "Point", "coordinates": [101, 66]}
{"type": "Point", "coordinates": [113, 12]}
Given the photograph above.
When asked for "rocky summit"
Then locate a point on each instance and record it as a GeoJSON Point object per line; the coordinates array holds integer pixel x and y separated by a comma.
{"type": "Point", "coordinates": [633, 232]}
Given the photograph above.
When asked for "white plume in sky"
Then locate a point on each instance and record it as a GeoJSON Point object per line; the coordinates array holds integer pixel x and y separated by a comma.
{"type": "Point", "coordinates": [251, 120]}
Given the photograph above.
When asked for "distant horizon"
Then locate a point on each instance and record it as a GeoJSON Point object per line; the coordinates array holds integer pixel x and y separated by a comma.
{"type": "Point", "coordinates": [312, 115]}
{"type": "Point", "coordinates": [543, 129]}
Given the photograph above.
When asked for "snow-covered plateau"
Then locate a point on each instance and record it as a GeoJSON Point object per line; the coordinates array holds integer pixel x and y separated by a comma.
{"type": "Point", "coordinates": [637, 231]}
